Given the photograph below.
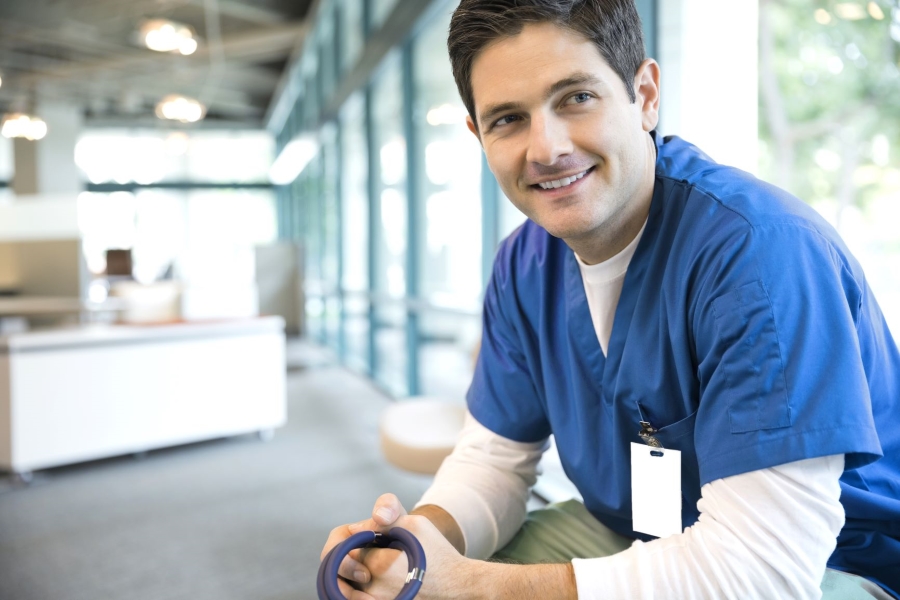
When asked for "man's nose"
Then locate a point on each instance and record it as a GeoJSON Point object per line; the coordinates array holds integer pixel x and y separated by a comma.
{"type": "Point", "coordinates": [548, 140]}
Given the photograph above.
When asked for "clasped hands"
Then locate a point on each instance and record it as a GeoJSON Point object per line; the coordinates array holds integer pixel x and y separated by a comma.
{"type": "Point", "coordinates": [378, 574]}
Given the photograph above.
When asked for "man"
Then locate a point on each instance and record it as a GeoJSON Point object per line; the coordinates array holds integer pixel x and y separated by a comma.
{"type": "Point", "coordinates": [654, 303]}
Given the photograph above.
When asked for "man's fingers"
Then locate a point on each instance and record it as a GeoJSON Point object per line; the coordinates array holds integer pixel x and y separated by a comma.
{"type": "Point", "coordinates": [352, 593]}
{"type": "Point", "coordinates": [354, 570]}
{"type": "Point", "coordinates": [349, 591]}
{"type": "Point", "coordinates": [379, 561]}
{"type": "Point", "coordinates": [337, 535]}
{"type": "Point", "coordinates": [366, 525]}
{"type": "Point", "coordinates": [387, 510]}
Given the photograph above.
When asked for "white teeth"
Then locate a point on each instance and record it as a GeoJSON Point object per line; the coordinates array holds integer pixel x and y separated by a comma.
{"type": "Point", "coordinates": [558, 183]}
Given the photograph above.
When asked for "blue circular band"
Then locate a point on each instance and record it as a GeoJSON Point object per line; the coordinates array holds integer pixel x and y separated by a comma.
{"type": "Point", "coordinates": [396, 538]}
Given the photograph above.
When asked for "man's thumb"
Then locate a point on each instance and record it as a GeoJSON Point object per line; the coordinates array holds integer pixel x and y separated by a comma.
{"type": "Point", "coordinates": [387, 510]}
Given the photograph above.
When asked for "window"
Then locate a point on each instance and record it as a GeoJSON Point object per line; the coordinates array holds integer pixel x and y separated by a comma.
{"type": "Point", "coordinates": [449, 184]}
{"type": "Point", "coordinates": [329, 214]}
{"type": "Point", "coordinates": [830, 124]}
{"type": "Point", "coordinates": [380, 10]}
{"type": "Point", "coordinates": [352, 33]}
{"type": "Point", "coordinates": [390, 180]}
{"type": "Point", "coordinates": [327, 69]}
{"type": "Point", "coordinates": [151, 156]}
{"type": "Point", "coordinates": [310, 206]}
{"type": "Point", "coordinates": [389, 186]}
{"type": "Point", "coordinates": [448, 190]}
{"type": "Point", "coordinates": [355, 232]}
{"type": "Point", "coordinates": [205, 239]}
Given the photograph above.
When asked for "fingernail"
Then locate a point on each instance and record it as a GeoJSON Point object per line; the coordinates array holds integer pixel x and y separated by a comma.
{"type": "Point", "coordinates": [360, 576]}
{"type": "Point", "coordinates": [385, 513]}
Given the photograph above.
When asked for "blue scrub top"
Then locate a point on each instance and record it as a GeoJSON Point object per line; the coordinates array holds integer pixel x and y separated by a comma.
{"type": "Point", "coordinates": [745, 333]}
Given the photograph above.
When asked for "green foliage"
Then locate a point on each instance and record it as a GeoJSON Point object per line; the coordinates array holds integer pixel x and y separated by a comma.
{"type": "Point", "coordinates": [839, 83]}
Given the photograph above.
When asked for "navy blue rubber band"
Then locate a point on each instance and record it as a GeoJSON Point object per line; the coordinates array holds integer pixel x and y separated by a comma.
{"type": "Point", "coordinates": [396, 538]}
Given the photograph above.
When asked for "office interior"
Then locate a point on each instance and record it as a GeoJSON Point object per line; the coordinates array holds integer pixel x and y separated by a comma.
{"type": "Point", "coordinates": [243, 246]}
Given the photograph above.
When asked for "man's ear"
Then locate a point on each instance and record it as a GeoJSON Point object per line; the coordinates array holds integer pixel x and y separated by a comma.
{"type": "Point", "coordinates": [646, 90]}
{"type": "Point", "coordinates": [473, 127]}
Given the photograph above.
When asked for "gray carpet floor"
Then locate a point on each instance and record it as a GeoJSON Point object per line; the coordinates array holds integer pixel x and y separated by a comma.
{"type": "Point", "coordinates": [227, 519]}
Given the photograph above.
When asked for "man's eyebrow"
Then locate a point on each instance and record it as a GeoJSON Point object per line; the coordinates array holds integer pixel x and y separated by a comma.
{"type": "Point", "coordinates": [577, 78]}
{"type": "Point", "coordinates": [494, 109]}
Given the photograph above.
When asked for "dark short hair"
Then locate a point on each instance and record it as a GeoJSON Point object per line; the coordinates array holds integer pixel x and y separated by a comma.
{"type": "Point", "coordinates": [612, 25]}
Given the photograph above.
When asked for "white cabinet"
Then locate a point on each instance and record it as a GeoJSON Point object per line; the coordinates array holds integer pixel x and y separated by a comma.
{"type": "Point", "coordinates": [91, 392]}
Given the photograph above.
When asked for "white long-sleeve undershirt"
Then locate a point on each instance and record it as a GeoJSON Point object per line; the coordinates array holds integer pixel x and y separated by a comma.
{"type": "Point", "coordinates": [761, 534]}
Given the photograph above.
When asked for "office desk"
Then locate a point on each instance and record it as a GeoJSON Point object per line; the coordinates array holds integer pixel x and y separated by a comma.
{"type": "Point", "coordinates": [71, 395]}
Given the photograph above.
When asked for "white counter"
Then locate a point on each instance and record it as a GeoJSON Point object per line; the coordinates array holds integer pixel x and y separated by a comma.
{"type": "Point", "coordinates": [70, 395]}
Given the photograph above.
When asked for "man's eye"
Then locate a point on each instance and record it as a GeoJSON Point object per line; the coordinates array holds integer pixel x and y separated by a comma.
{"type": "Point", "coordinates": [579, 98]}
{"type": "Point", "coordinates": [505, 120]}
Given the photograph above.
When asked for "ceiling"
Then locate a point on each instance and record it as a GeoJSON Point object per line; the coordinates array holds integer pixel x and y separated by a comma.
{"type": "Point", "coordinates": [85, 52]}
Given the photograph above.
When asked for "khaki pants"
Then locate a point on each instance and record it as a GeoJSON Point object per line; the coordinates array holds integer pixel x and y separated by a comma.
{"type": "Point", "coordinates": [563, 531]}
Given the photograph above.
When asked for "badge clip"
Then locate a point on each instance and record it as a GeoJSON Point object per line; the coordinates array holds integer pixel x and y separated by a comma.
{"type": "Point", "coordinates": [646, 434]}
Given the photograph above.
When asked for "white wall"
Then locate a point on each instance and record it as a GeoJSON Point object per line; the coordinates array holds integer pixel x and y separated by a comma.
{"type": "Point", "coordinates": [56, 169]}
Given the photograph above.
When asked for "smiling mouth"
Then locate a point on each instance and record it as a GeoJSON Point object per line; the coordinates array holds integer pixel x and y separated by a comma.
{"type": "Point", "coordinates": [561, 183]}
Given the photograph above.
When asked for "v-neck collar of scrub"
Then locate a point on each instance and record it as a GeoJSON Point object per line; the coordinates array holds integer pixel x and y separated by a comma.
{"type": "Point", "coordinates": [581, 331]}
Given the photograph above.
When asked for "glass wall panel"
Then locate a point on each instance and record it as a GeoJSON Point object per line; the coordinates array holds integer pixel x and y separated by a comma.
{"type": "Point", "coordinates": [327, 70]}
{"type": "Point", "coordinates": [356, 331]}
{"type": "Point", "coordinates": [354, 181]}
{"type": "Point", "coordinates": [355, 232]}
{"type": "Point", "coordinates": [313, 233]}
{"type": "Point", "coordinates": [446, 353]}
{"type": "Point", "coordinates": [830, 124]}
{"type": "Point", "coordinates": [380, 10]}
{"type": "Point", "coordinates": [329, 225]}
{"type": "Point", "coordinates": [296, 210]}
{"type": "Point", "coordinates": [390, 180]}
{"type": "Point", "coordinates": [450, 184]}
{"type": "Point", "coordinates": [204, 239]}
{"type": "Point", "coordinates": [352, 33]}
{"type": "Point", "coordinates": [310, 102]}
{"type": "Point", "coordinates": [391, 348]}
{"type": "Point", "coordinates": [147, 156]}
{"type": "Point", "coordinates": [389, 186]}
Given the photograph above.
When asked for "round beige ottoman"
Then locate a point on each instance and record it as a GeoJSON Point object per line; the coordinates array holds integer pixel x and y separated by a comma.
{"type": "Point", "coordinates": [418, 433]}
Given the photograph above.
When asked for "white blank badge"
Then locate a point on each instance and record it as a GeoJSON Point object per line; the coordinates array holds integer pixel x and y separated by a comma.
{"type": "Point", "coordinates": [655, 490]}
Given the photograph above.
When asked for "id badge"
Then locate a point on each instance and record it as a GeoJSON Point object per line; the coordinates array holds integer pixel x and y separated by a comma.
{"type": "Point", "coordinates": [655, 490]}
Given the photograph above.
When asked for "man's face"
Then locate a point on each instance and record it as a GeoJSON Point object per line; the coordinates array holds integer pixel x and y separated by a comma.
{"type": "Point", "coordinates": [561, 134]}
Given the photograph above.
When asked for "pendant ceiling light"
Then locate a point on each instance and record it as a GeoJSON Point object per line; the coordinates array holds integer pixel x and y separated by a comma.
{"type": "Point", "coordinates": [163, 35]}
{"type": "Point", "coordinates": [20, 125]}
{"type": "Point", "coordinates": [180, 108]}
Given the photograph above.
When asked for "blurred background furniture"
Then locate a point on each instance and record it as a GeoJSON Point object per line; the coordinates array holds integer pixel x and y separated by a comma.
{"type": "Point", "coordinates": [71, 395]}
{"type": "Point", "coordinates": [418, 433]}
